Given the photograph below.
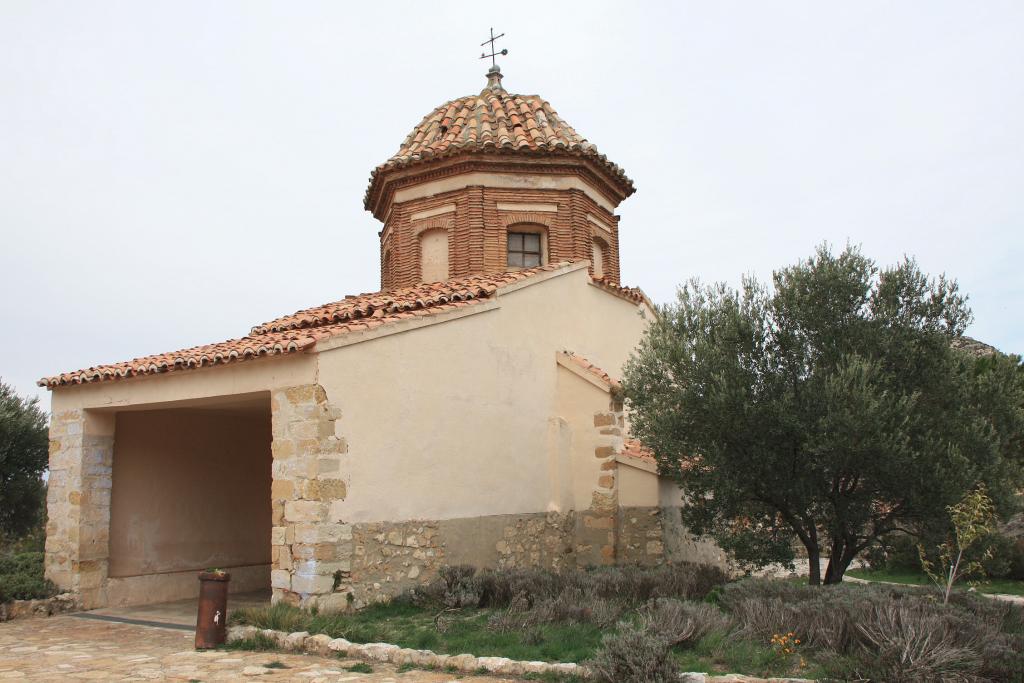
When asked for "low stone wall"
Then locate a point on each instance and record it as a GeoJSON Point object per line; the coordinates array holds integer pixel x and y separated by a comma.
{"type": "Point", "coordinates": [325, 646]}
{"type": "Point", "coordinates": [58, 604]}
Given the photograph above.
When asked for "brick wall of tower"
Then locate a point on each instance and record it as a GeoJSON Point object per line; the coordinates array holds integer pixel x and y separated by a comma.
{"type": "Point", "coordinates": [477, 230]}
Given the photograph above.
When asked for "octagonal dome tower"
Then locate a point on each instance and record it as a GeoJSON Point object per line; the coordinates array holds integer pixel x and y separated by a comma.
{"type": "Point", "coordinates": [495, 182]}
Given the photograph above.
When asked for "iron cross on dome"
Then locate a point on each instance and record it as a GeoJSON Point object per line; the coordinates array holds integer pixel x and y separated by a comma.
{"type": "Point", "coordinates": [493, 53]}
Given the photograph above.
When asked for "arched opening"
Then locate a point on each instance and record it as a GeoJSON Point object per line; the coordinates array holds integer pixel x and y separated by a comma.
{"type": "Point", "coordinates": [434, 255]}
{"type": "Point", "coordinates": [599, 250]}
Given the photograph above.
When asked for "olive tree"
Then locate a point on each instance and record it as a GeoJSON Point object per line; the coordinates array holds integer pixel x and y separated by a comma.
{"type": "Point", "coordinates": [827, 408]}
{"type": "Point", "coordinates": [23, 458]}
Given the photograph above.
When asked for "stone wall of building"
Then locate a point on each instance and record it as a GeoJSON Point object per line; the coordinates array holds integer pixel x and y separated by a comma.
{"type": "Point", "coordinates": [595, 538]}
{"type": "Point", "coordinates": [311, 546]}
{"type": "Point", "coordinates": [78, 505]}
{"type": "Point", "coordinates": [680, 544]}
{"type": "Point", "coordinates": [391, 557]}
{"type": "Point", "coordinates": [640, 536]}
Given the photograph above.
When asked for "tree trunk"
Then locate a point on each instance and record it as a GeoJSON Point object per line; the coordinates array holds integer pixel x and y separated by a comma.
{"type": "Point", "coordinates": [814, 571]}
{"type": "Point", "coordinates": [841, 559]}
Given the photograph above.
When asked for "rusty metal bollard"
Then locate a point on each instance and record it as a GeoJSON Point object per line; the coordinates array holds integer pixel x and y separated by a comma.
{"type": "Point", "coordinates": [211, 621]}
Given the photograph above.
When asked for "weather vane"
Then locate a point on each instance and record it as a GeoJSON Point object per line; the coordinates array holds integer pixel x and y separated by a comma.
{"type": "Point", "coordinates": [493, 53]}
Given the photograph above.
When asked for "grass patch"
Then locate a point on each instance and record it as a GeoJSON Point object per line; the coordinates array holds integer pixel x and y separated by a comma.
{"type": "Point", "coordinates": [553, 677]}
{"type": "Point", "coordinates": [639, 624]}
{"type": "Point", "coordinates": [257, 643]}
{"type": "Point", "coordinates": [276, 664]}
{"type": "Point", "coordinates": [911, 578]}
{"type": "Point", "coordinates": [360, 668]}
{"type": "Point", "coordinates": [723, 653]}
{"type": "Point", "coordinates": [405, 625]}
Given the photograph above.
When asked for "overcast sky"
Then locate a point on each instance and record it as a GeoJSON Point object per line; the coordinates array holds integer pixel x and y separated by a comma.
{"type": "Point", "coordinates": [172, 173]}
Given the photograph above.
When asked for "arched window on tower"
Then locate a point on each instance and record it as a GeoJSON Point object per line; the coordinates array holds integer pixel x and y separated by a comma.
{"type": "Point", "coordinates": [599, 250]}
{"type": "Point", "coordinates": [434, 255]}
{"type": "Point", "coordinates": [527, 246]}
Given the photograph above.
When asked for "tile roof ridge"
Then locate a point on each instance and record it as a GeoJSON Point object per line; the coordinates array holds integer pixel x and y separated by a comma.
{"type": "Point", "coordinates": [203, 355]}
{"type": "Point", "coordinates": [586, 366]}
{"type": "Point", "coordinates": [421, 296]}
{"type": "Point", "coordinates": [303, 329]}
{"type": "Point", "coordinates": [635, 448]}
{"type": "Point", "coordinates": [634, 294]}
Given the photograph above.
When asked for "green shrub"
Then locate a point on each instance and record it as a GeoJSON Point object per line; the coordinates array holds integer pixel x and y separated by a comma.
{"type": "Point", "coordinates": [902, 554]}
{"type": "Point", "coordinates": [1017, 561]}
{"type": "Point", "coordinates": [875, 555]}
{"type": "Point", "coordinates": [21, 578]}
{"type": "Point", "coordinates": [634, 654]}
{"type": "Point", "coordinates": [1005, 557]}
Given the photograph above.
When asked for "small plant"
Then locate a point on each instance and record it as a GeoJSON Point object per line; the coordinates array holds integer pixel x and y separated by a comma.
{"type": "Point", "coordinates": [360, 668]}
{"type": "Point", "coordinates": [407, 666]}
{"type": "Point", "coordinates": [276, 664]}
{"type": "Point", "coordinates": [973, 519]}
{"type": "Point", "coordinates": [785, 646]}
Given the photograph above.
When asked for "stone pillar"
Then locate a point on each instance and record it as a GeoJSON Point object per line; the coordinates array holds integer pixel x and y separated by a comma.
{"type": "Point", "coordinates": [311, 545]}
{"type": "Point", "coordinates": [596, 542]}
{"type": "Point", "coordinates": [78, 503]}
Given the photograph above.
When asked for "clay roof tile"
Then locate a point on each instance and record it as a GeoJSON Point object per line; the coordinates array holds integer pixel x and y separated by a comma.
{"type": "Point", "coordinates": [301, 330]}
{"type": "Point", "coordinates": [517, 123]}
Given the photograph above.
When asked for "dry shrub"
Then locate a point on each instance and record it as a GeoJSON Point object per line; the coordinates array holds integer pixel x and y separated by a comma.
{"type": "Point", "coordinates": [460, 588]}
{"type": "Point", "coordinates": [759, 618]}
{"type": "Point", "coordinates": [569, 607]}
{"type": "Point", "coordinates": [631, 585]}
{"type": "Point", "coordinates": [886, 633]}
{"type": "Point", "coordinates": [634, 655]}
{"type": "Point", "coordinates": [910, 642]}
{"type": "Point", "coordinates": [604, 613]}
{"type": "Point", "coordinates": [498, 588]}
{"type": "Point", "coordinates": [682, 622]}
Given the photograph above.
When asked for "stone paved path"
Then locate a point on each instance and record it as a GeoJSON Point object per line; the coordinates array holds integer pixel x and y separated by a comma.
{"type": "Point", "coordinates": [70, 648]}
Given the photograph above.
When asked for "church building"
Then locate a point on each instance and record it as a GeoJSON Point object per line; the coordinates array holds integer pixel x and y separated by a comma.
{"type": "Point", "coordinates": [469, 412]}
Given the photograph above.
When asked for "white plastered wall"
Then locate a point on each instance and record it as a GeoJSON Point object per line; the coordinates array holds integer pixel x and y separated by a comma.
{"type": "Point", "coordinates": [453, 419]}
{"type": "Point", "coordinates": [188, 388]}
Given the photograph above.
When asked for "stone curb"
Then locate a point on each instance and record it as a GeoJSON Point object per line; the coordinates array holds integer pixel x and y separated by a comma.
{"type": "Point", "coordinates": [45, 607]}
{"type": "Point", "coordinates": [324, 645]}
